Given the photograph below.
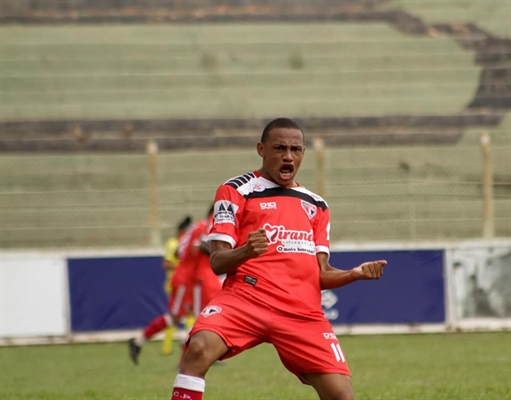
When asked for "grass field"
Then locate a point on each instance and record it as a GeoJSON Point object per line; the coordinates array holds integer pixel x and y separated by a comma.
{"type": "Point", "coordinates": [466, 366]}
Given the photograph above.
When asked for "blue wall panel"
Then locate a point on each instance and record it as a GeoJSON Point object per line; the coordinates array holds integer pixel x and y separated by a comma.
{"type": "Point", "coordinates": [115, 293]}
{"type": "Point", "coordinates": [127, 293]}
{"type": "Point", "coordinates": [410, 291]}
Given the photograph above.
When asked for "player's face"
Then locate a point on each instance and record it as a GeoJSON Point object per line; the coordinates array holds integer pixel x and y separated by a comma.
{"type": "Point", "coordinates": [282, 155]}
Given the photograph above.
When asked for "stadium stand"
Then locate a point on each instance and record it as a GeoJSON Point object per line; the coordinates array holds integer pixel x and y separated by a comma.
{"type": "Point", "coordinates": [399, 84]}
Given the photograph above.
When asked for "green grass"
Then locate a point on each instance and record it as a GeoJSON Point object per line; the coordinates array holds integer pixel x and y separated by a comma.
{"type": "Point", "coordinates": [230, 70]}
{"type": "Point", "coordinates": [465, 366]}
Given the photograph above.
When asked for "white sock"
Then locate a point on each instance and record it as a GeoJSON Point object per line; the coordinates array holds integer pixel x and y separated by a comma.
{"type": "Point", "coordinates": [140, 340]}
{"type": "Point", "coordinates": [188, 382]}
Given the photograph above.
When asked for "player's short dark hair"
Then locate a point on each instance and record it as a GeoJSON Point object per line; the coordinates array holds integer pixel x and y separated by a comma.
{"type": "Point", "coordinates": [279, 123]}
{"type": "Point", "coordinates": [185, 223]}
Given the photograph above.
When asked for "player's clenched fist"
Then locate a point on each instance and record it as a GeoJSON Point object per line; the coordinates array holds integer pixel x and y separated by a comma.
{"type": "Point", "coordinates": [370, 270]}
{"type": "Point", "coordinates": [257, 243]}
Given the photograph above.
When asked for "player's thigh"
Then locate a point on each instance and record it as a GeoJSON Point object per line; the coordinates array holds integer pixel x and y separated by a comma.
{"type": "Point", "coordinates": [331, 386]}
{"type": "Point", "coordinates": [309, 347]}
{"type": "Point", "coordinates": [202, 349]}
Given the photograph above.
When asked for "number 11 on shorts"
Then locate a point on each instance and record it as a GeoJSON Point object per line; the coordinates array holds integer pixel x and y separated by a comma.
{"type": "Point", "coordinates": [338, 352]}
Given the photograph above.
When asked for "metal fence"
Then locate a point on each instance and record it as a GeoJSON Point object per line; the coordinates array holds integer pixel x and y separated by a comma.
{"type": "Point", "coordinates": [375, 193]}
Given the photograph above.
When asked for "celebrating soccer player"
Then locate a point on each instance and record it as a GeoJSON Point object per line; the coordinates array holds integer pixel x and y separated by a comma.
{"type": "Point", "coordinates": [270, 235]}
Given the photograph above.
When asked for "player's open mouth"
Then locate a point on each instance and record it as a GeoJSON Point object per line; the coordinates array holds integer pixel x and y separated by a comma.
{"type": "Point", "coordinates": [286, 171]}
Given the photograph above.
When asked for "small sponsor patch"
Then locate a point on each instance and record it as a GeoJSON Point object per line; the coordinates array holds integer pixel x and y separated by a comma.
{"type": "Point", "coordinates": [329, 336]}
{"type": "Point", "coordinates": [211, 310]}
{"type": "Point", "coordinates": [268, 206]}
{"type": "Point", "coordinates": [250, 280]}
{"type": "Point", "coordinates": [225, 212]}
{"type": "Point", "coordinates": [258, 187]}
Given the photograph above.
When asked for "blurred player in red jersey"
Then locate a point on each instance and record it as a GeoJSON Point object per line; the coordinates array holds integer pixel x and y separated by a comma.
{"type": "Point", "coordinates": [271, 237]}
{"type": "Point", "coordinates": [183, 282]}
{"type": "Point", "coordinates": [169, 264]}
{"type": "Point", "coordinates": [207, 284]}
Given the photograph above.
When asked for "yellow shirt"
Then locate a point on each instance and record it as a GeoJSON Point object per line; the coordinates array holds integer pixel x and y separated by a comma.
{"type": "Point", "coordinates": [170, 255]}
{"type": "Point", "coordinates": [171, 250]}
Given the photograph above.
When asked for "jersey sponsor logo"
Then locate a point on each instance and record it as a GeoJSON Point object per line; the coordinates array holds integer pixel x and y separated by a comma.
{"type": "Point", "coordinates": [225, 212]}
{"type": "Point", "coordinates": [258, 187]}
{"type": "Point", "coordinates": [310, 209]}
{"type": "Point", "coordinates": [329, 336]}
{"type": "Point", "coordinates": [290, 241]}
{"type": "Point", "coordinates": [211, 310]}
{"type": "Point", "coordinates": [250, 280]}
{"type": "Point", "coordinates": [268, 206]}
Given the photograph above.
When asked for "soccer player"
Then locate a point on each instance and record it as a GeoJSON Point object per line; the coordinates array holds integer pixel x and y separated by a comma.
{"type": "Point", "coordinates": [180, 303]}
{"type": "Point", "coordinates": [170, 262]}
{"type": "Point", "coordinates": [171, 259]}
{"type": "Point", "coordinates": [207, 284]}
{"type": "Point", "coordinates": [271, 237]}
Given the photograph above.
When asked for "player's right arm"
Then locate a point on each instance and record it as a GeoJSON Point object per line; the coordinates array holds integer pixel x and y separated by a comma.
{"type": "Point", "coordinates": [226, 251]}
{"type": "Point", "coordinates": [224, 258]}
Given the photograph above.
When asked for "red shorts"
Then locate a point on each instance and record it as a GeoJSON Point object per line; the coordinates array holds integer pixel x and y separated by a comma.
{"type": "Point", "coordinates": [304, 345]}
{"type": "Point", "coordinates": [180, 300]}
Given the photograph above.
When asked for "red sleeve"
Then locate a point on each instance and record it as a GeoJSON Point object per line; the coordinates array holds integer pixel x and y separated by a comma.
{"type": "Point", "coordinates": [228, 208]}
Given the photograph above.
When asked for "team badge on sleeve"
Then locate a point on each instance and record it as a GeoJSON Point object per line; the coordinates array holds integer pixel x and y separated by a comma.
{"type": "Point", "coordinates": [225, 212]}
{"type": "Point", "coordinates": [309, 209]}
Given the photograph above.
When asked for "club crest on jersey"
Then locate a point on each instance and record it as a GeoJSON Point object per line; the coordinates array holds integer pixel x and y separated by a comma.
{"type": "Point", "coordinates": [225, 212]}
{"type": "Point", "coordinates": [309, 209]}
{"type": "Point", "coordinates": [211, 310]}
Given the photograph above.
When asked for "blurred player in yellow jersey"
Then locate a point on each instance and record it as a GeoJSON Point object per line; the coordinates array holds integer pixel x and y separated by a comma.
{"type": "Point", "coordinates": [170, 262]}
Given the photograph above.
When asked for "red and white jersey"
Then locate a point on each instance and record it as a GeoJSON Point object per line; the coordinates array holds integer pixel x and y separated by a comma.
{"type": "Point", "coordinates": [297, 224]}
{"type": "Point", "coordinates": [187, 253]}
{"type": "Point", "coordinates": [204, 274]}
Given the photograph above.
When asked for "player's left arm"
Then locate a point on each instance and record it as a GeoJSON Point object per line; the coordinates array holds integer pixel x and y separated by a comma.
{"type": "Point", "coordinates": [331, 278]}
